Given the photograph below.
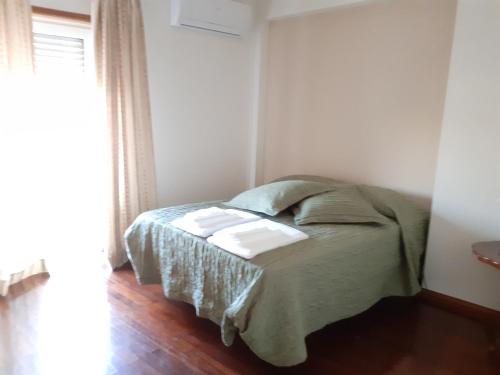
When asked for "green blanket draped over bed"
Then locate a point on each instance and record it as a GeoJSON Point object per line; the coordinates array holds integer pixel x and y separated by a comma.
{"type": "Point", "coordinates": [277, 298]}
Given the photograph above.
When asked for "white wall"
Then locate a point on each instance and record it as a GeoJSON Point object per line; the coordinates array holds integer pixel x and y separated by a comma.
{"type": "Point", "coordinates": [285, 8]}
{"type": "Point", "coordinates": [75, 6]}
{"type": "Point", "coordinates": [466, 205]}
{"type": "Point", "coordinates": [202, 99]}
{"type": "Point", "coordinates": [357, 93]}
{"type": "Point", "coordinates": [202, 90]}
{"type": "Point", "coordinates": [260, 93]}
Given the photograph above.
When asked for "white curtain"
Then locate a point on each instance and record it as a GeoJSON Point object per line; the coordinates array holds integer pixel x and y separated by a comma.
{"type": "Point", "coordinates": [122, 75]}
{"type": "Point", "coordinates": [16, 40]}
{"type": "Point", "coordinates": [19, 254]}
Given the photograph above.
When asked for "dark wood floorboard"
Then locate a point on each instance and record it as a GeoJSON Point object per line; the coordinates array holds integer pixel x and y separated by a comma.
{"type": "Point", "coordinates": [96, 322]}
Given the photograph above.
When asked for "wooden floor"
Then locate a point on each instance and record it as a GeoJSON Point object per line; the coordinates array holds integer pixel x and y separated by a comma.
{"type": "Point", "coordinates": [95, 322]}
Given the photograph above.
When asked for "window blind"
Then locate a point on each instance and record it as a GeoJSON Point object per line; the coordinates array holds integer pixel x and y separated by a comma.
{"type": "Point", "coordinates": [58, 54]}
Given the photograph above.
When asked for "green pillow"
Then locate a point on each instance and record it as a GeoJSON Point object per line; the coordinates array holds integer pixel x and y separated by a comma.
{"type": "Point", "coordinates": [273, 198]}
{"type": "Point", "coordinates": [343, 205]}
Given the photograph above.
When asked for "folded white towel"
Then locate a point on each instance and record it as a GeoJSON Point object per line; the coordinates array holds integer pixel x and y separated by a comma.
{"type": "Point", "coordinates": [248, 234]}
{"type": "Point", "coordinates": [250, 239]}
{"type": "Point", "coordinates": [207, 221]}
{"type": "Point", "coordinates": [269, 238]}
{"type": "Point", "coordinates": [205, 213]}
{"type": "Point", "coordinates": [255, 235]}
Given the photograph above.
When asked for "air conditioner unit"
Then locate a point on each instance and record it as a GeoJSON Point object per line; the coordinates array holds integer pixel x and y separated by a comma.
{"type": "Point", "coordinates": [222, 16]}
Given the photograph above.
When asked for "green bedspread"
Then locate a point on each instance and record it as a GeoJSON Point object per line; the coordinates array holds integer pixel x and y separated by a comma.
{"type": "Point", "coordinates": [276, 299]}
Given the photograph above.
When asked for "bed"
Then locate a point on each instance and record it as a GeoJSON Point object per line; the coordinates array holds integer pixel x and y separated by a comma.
{"type": "Point", "coordinates": [276, 299]}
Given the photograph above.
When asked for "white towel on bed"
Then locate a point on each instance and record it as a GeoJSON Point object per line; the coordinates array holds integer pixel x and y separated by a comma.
{"type": "Point", "coordinates": [205, 214]}
{"type": "Point", "coordinates": [251, 239]}
{"type": "Point", "coordinates": [207, 221]}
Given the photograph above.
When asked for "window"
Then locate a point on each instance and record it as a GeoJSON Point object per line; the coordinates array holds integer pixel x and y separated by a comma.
{"type": "Point", "coordinates": [54, 52]}
{"type": "Point", "coordinates": [66, 139]}
{"type": "Point", "coordinates": [62, 49]}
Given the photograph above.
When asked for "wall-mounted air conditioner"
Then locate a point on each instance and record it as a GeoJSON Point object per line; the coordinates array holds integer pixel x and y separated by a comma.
{"type": "Point", "coordinates": [222, 16]}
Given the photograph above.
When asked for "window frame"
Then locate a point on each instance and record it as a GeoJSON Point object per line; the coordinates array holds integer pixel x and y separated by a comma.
{"type": "Point", "coordinates": [41, 12]}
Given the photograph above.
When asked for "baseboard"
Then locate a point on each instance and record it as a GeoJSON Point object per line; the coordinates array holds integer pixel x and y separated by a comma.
{"type": "Point", "coordinates": [461, 307]}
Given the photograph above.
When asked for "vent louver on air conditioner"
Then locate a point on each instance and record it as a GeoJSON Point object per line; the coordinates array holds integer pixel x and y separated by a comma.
{"type": "Point", "coordinates": [222, 16]}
